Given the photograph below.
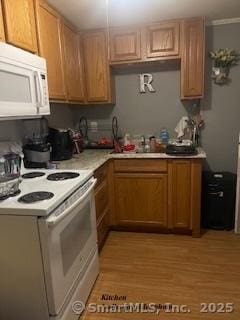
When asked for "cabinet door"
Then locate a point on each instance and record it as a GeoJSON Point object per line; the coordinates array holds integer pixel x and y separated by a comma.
{"type": "Point", "coordinates": [96, 67]}
{"type": "Point", "coordinates": [101, 199]}
{"type": "Point", "coordinates": [102, 229]}
{"type": "Point", "coordinates": [163, 40]}
{"type": "Point", "coordinates": [125, 44]}
{"type": "Point", "coordinates": [73, 65]}
{"type": "Point", "coordinates": [50, 46]}
{"type": "Point", "coordinates": [20, 24]}
{"type": "Point", "coordinates": [180, 193]}
{"type": "Point", "coordinates": [2, 32]}
{"type": "Point", "coordinates": [141, 199]}
{"type": "Point", "coordinates": [192, 70]}
{"type": "Point", "coordinates": [102, 203]}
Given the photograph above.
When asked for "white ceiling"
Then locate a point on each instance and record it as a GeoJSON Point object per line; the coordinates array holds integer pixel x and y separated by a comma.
{"type": "Point", "coordinates": [88, 14]}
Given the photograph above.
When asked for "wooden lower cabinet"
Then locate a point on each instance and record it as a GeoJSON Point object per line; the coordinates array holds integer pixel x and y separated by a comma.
{"type": "Point", "coordinates": [180, 193]}
{"type": "Point", "coordinates": [168, 200]}
{"type": "Point", "coordinates": [184, 194]}
{"type": "Point", "coordinates": [102, 204]}
{"type": "Point", "coordinates": [152, 195]}
{"type": "Point", "coordinates": [101, 199]}
{"type": "Point", "coordinates": [141, 199]}
{"type": "Point", "coordinates": [102, 229]}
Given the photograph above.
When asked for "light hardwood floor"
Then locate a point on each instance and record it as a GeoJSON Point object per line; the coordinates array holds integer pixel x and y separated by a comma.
{"type": "Point", "coordinates": [154, 268]}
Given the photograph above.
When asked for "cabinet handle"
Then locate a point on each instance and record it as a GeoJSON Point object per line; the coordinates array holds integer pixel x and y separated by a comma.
{"type": "Point", "coordinates": [220, 194]}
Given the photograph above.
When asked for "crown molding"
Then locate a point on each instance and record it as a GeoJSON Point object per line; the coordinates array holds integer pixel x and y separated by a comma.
{"type": "Point", "coordinates": [223, 21]}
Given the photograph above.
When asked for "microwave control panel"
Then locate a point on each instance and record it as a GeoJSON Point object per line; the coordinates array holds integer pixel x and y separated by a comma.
{"type": "Point", "coordinates": [45, 90]}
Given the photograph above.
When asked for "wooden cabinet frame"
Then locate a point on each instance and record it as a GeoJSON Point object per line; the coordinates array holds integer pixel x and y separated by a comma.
{"type": "Point", "coordinates": [168, 45]}
{"type": "Point", "coordinates": [183, 195]}
{"type": "Point", "coordinates": [177, 40]}
{"type": "Point", "coordinates": [56, 75]}
{"type": "Point", "coordinates": [99, 82]}
{"type": "Point", "coordinates": [73, 63]}
{"type": "Point", "coordinates": [192, 58]}
{"type": "Point", "coordinates": [179, 186]}
{"type": "Point", "coordinates": [20, 26]}
{"type": "Point", "coordinates": [102, 201]}
{"type": "Point", "coordinates": [108, 212]}
{"type": "Point", "coordinates": [125, 44]}
{"type": "Point", "coordinates": [184, 41]}
{"type": "Point", "coordinates": [153, 206]}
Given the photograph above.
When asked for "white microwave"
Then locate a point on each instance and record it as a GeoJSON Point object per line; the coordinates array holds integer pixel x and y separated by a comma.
{"type": "Point", "coordinates": [23, 84]}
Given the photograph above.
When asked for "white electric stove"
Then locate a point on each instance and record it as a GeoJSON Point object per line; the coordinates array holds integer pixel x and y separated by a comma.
{"type": "Point", "coordinates": [53, 191]}
{"type": "Point", "coordinates": [48, 245]}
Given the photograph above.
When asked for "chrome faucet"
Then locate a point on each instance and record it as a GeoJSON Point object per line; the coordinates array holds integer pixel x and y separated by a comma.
{"type": "Point", "coordinates": [195, 130]}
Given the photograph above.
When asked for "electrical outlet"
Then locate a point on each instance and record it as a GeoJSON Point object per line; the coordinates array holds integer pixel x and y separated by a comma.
{"type": "Point", "coordinates": [94, 126]}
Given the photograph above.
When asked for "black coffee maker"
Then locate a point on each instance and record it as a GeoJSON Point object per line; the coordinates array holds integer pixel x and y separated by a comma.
{"type": "Point", "coordinates": [62, 145]}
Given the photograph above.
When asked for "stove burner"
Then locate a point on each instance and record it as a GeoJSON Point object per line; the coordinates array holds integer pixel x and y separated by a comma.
{"type": "Point", "coordinates": [33, 174]}
{"type": "Point", "coordinates": [35, 197]}
{"type": "Point", "coordinates": [10, 195]}
{"type": "Point", "coordinates": [59, 176]}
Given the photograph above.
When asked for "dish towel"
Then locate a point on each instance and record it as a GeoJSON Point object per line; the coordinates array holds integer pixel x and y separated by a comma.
{"type": "Point", "coordinates": [181, 126]}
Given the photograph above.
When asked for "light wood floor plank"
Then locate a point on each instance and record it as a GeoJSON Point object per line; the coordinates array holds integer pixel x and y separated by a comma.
{"type": "Point", "coordinates": [170, 269]}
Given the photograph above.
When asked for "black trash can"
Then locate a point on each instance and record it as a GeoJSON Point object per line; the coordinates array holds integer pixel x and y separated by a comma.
{"type": "Point", "coordinates": [218, 200]}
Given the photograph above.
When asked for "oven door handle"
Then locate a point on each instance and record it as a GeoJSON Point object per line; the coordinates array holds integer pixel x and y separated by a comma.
{"type": "Point", "coordinates": [53, 220]}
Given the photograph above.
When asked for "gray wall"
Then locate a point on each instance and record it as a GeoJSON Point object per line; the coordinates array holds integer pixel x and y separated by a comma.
{"type": "Point", "coordinates": [147, 113]}
{"type": "Point", "coordinates": [221, 106]}
{"type": "Point", "coordinates": [144, 113]}
{"type": "Point", "coordinates": [11, 130]}
{"type": "Point", "coordinates": [61, 116]}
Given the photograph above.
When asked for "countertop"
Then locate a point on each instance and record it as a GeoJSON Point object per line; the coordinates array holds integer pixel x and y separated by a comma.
{"type": "Point", "coordinates": [93, 159]}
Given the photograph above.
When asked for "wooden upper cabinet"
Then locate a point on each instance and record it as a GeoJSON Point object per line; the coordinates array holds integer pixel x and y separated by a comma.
{"type": "Point", "coordinates": [97, 72]}
{"type": "Point", "coordinates": [50, 47]}
{"type": "Point", "coordinates": [73, 64]}
{"type": "Point", "coordinates": [2, 32]}
{"type": "Point", "coordinates": [20, 24]}
{"type": "Point", "coordinates": [192, 69]}
{"type": "Point", "coordinates": [125, 44]}
{"type": "Point", "coordinates": [162, 39]}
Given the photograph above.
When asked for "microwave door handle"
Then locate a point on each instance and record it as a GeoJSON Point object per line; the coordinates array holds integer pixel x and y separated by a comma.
{"type": "Point", "coordinates": [38, 95]}
{"type": "Point", "coordinates": [41, 90]}
{"type": "Point", "coordinates": [40, 102]}
{"type": "Point", "coordinates": [55, 219]}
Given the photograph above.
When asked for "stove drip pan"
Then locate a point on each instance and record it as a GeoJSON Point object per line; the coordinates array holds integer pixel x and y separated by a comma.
{"type": "Point", "coordinates": [36, 197]}
{"type": "Point", "coordinates": [34, 174]}
{"type": "Point", "coordinates": [60, 176]}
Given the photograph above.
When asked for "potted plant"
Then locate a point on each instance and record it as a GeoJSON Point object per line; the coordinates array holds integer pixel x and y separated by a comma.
{"type": "Point", "coordinates": [223, 60]}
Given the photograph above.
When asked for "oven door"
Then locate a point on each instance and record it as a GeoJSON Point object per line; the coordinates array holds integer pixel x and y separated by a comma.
{"type": "Point", "coordinates": [69, 241]}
